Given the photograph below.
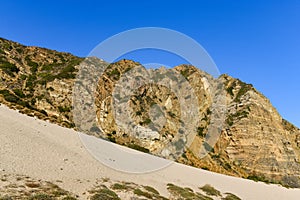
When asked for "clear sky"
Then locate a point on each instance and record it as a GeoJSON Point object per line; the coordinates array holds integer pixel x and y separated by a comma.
{"type": "Point", "coordinates": [256, 41]}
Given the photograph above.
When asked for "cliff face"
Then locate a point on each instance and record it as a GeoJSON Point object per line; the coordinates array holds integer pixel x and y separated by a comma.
{"type": "Point", "coordinates": [257, 139]}
{"type": "Point", "coordinates": [254, 141]}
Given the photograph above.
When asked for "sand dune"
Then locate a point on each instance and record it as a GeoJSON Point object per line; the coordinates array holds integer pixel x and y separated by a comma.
{"type": "Point", "coordinates": [41, 150]}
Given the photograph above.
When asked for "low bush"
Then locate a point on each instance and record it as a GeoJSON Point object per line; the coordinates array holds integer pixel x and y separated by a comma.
{"type": "Point", "coordinates": [211, 191]}
{"type": "Point", "coordinates": [64, 109]}
{"type": "Point", "coordinates": [142, 193]}
{"type": "Point", "coordinates": [105, 194]}
{"type": "Point", "coordinates": [230, 196]}
{"type": "Point", "coordinates": [185, 193]}
{"type": "Point", "coordinates": [8, 96]}
{"type": "Point", "coordinates": [118, 186]}
{"type": "Point", "coordinates": [200, 131]}
{"type": "Point", "coordinates": [151, 189]}
{"type": "Point", "coordinates": [19, 93]}
{"type": "Point", "coordinates": [9, 68]}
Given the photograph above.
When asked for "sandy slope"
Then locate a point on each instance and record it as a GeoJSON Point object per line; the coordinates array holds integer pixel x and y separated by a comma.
{"type": "Point", "coordinates": [46, 151]}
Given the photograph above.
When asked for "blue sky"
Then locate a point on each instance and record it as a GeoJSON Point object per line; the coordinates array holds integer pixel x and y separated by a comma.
{"type": "Point", "coordinates": [256, 41]}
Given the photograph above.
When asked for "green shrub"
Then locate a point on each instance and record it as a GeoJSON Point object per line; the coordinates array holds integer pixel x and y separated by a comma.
{"type": "Point", "coordinates": [138, 113]}
{"type": "Point", "coordinates": [215, 156]}
{"type": "Point", "coordinates": [200, 131]}
{"type": "Point", "coordinates": [45, 78]}
{"type": "Point", "coordinates": [112, 139]}
{"type": "Point", "coordinates": [185, 73]}
{"type": "Point", "coordinates": [114, 73]}
{"type": "Point", "coordinates": [142, 193]}
{"type": "Point", "coordinates": [230, 90]}
{"type": "Point", "coordinates": [105, 194]}
{"type": "Point", "coordinates": [227, 166]}
{"type": "Point", "coordinates": [67, 73]}
{"type": "Point", "coordinates": [23, 77]}
{"type": "Point", "coordinates": [30, 82]}
{"type": "Point", "coordinates": [258, 178]}
{"type": "Point", "coordinates": [59, 192]}
{"type": "Point", "coordinates": [172, 114]}
{"type": "Point", "coordinates": [33, 65]}
{"type": "Point", "coordinates": [118, 186]}
{"type": "Point", "coordinates": [244, 89]}
{"type": "Point", "coordinates": [69, 69]}
{"type": "Point", "coordinates": [43, 112]}
{"type": "Point", "coordinates": [238, 115]}
{"type": "Point", "coordinates": [61, 57]}
{"type": "Point", "coordinates": [185, 193]}
{"type": "Point", "coordinates": [147, 121]}
{"type": "Point", "coordinates": [64, 109]}
{"type": "Point", "coordinates": [49, 67]}
{"type": "Point", "coordinates": [19, 50]}
{"type": "Point", "coordinates": [34, 69]}
{"type": "Point", "coordinates": [183, 155]}
{"type": "Point", "coordinates": [151, 189]}
{"type": "Point", "coordinates": [7, 46]}
{"type": "Point", "coordinates": [8, 96]}
{"type": "Point", "coordinates": [230, 196]}
{"type": "Point", "coordinates": [14, 99]}
{"type": "Point", "coordinates": [19, 93]}
{"type": "Point", "coordinates": [9, 68]}
{"type": "Point", "coordinates": [209, 190]}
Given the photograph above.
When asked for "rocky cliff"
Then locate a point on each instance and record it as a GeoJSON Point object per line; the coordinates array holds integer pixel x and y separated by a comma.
{"type": "Point", "coordinates": [170, 113]}
{"type": "Point", "coordinates": [37, 81]}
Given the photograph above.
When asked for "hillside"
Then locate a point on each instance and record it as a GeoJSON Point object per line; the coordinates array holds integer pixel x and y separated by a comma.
{"type": "Point", "coordinates": [255, 142]}
{"type": "Point", "coordinates": [41, 160]}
